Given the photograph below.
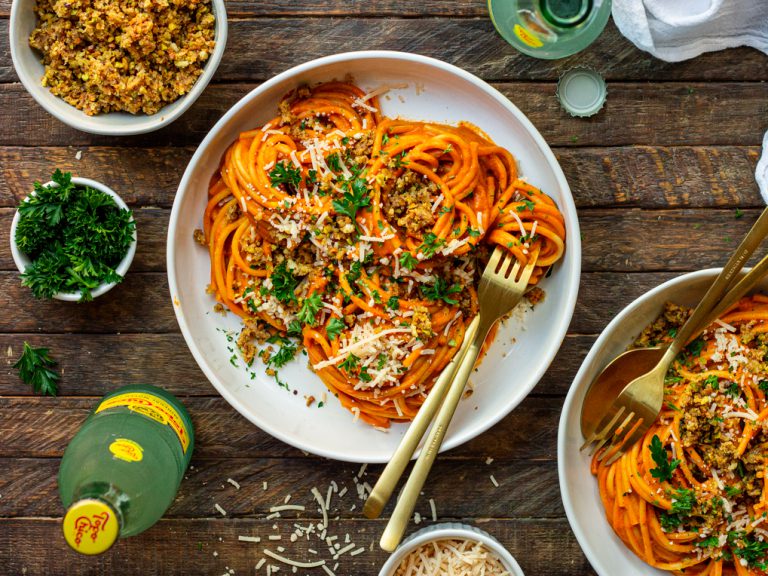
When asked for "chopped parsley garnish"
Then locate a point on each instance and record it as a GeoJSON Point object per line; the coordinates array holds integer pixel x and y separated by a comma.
{"type": "Point", "coordinates": [334, 162]}
{"type": "Point", "coordinates": [35, 368]}
{"type": "Point", "coordinates": [712, 382]}
{"type": "Point", "coordinates": [399, 159]}
{"type": "Point", "coordinates": [753, 551]}
{"type": "Point", "coordinates": [75, 237]}
{"type": "Point", "coordinates": [286, 175]}
{"type": "Point", "coordinates": [430, 244]}
{"type": "Point", "coordinates": [473, 233]}
{"type": "Point", "coordinates": [763, 385]}
{"type": "Point", "coordinates": [283, 283]}
{"type": "Point", "coordinates": [710, 542]}
{"type": "Point", "coordinates": [309, 309]}
{"type": "Point", "coordinates": [350, 363]}
{"type": "Point", "coordinates": [732, 491]}
{"type": "Point", "coordinates": [285, 354]}
{"type": "Point", "coordinates": [527, 205]}
{"type": "Point", "coordinates": [695, 347]}
{"type": "Point", "coordinates": [440, 291]}
{"type": "Point", "coordinates": [294, 328]}
{"type": "Point", "coordinates": [393, 303]}
{"type": "Point", "coordinates": [382, 361]}
{"type": "Point", "coordinates": [364, 376]}
{"type": "Point", "coordinates": [354, 273]}
{"type": "Point", "coordinates": [408, 261]}
{"type": "Point", "coordinates": [334, 328]}
{"type": "Point", "coordinates": [670, 522]}
{"type": "Point", "coordinates": [732, 390]}
{"type": "Point", "coordinates": [353, 200]}
{"type": "Point", "coordinates": [739, 213]}
{"type": "Point", "coordinates": [683, 500]}
{"type": "Point", "coordinates": [664, 467]}
{"type": "Point", "coordinates": [311, 177]}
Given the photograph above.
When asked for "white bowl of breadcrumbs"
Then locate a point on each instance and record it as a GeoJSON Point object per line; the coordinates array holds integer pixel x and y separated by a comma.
{"type": "Point", "coordinates": [124, 67]}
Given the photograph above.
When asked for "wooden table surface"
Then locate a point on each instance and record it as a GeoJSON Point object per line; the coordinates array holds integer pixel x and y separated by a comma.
{"type": "Point", "coordinates": [657, 177]}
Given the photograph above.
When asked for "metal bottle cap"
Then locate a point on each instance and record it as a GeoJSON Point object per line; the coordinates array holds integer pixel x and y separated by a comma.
{"type": "Point", "coordinates": [90, 526]}
{"type": "Point", "coordinates": [581, 91]}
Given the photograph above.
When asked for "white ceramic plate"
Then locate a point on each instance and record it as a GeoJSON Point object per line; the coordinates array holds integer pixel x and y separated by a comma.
{"type": "Point", "coordinates": [30, 70]}
{"type": "Point", "coordinates": [436, 91]}
{"type": "Point", "coordinates": [604, 550]}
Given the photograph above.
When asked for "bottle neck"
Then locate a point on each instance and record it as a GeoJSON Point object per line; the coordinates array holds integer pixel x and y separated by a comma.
{"type": "Point", "coordinates": [93, 521]}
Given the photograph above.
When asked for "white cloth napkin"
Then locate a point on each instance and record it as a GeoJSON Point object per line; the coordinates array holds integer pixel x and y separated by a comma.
{"type": "Point", "coordinates": [675, 30]}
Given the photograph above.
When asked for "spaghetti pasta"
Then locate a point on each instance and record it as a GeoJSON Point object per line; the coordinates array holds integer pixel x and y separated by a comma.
{"type": "Point", "coordinates": [691, 497]}
{"type": "Point", "coordinates": [359, 234]}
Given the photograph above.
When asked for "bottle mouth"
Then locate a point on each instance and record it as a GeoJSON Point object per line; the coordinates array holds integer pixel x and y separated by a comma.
{"type": "Point", "coordinates": [90, 526]}
{"type": "Point", "coordinates": [566, 13]}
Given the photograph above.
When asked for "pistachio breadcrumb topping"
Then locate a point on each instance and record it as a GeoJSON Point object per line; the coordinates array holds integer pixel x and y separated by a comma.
{"type": "Point", "coordinates": [133, 56]}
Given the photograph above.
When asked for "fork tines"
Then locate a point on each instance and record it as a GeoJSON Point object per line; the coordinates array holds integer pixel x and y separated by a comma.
{"type": "Point", "coordinates": [621, 434]}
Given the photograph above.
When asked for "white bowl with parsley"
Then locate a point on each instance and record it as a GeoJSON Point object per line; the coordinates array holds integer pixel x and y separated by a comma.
{"type": "Point", "coordinates": [72, 239]}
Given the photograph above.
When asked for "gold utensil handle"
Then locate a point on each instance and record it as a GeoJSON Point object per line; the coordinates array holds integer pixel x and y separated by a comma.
{"type": "Point", "coordinates": [389, 478]}
{"type": "Point", "coordinates": [747, 282]}
{"type": "Point", "coordinates": [397, 524]}
{"type": "Point", "coordinates": [724, 280]}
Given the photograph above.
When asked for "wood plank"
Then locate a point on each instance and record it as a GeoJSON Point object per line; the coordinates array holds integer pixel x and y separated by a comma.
{"type": "Point", "coordinates": [142, 304]}
{"type": "Point", "coordinates": [481, 50]}
{"type": "Point", "coordinates": [188, 546]}
{"type": "Point", "coordinates": [165, 358]}
{"type": "Point", "coordinates": [151, 230]}
{"type": "Point", "coordinates": [637, 176]}
{"type": "Point", "coordinates": [659, 114]}
{"type": "Point", "coordinates": [459, 488]}
{"type": "Point", "coordinates": [612, 240]}
{"type": "Point", "coordinates": [42, 427]}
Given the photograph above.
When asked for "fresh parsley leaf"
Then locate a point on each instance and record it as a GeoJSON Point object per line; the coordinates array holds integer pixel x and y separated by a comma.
{"type": "Point", "coordinates": [683, 501]}
{"type": "Point", "coordinates": [732, 390]}
{"type": "Point", "coordinates": [732, 491]}
{"type": "Point", "coordinates": [309, 309]}
{"type": "Point", "coordinates": [440, 291]}
{"type": "Point", "coordinates": [353, 200]}
{"type": "Point", "coordinates": [364, 376]}
{"type": "Point", "coordinates": [664, 467]}
{"type": "Point", "coordinates": [430, 244]}
{"type": "Point", "coordinates": [739, 213]}
{"type": "Point", "coordinates": [710, 542]}
{"type": "Point", "coordinates": [295, 329]}
{"type": "Point", "coordinates": [286, 175]}
{"type": "Point", "coordinates": [350, 363]}
{"type": "Point", "coordinates": [473, 233]}
{"type": "Point", "coordinates": [670, 522]}
{"type": "Point", "coordinates": [333, 162]}
{"type": "Point", "coordinates": [285, 354]}
{"type": "Point", "coordinates": [408, 260]}
{"type": "Point", "coordinates": [527, 205]}
{"type": "Point", "coordinates": [695, 347]}
{"type": "Point", "coordinates": [35, 368]}
{"type": "Point", "coordinates": [283, 283]}
{"type": "Point", "coordinates": [381, 361]}
{"type": "Point", "coordinates": [355, 271]}
{"type": "Point", "coordinates": [334, 328]}
{"type": "Point", "coordinates": [393, 303]}
{"type": "Point", "coordinates": [712, 382]}
{"type": "Point", "coordinates": [763, 385]}
{"type": "Point", "coordinates": [753, 551]}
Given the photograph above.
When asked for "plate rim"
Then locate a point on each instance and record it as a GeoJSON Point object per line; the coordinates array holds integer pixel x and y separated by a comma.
{"type": "Point", "coordinates": [569, 209]}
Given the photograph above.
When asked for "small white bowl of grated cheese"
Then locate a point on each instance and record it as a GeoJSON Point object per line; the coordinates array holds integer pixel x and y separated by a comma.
{"type": "Point", "coordinates": [451, 548]}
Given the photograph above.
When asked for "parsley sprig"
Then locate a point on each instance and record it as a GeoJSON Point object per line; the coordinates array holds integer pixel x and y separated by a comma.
{"type": "Point", "coordinates": [334, 328]}
{"type": "Point", "coordinates": [664, 466]}
{"type": "Point", "coordinates": [440, 291]}
{"type": "Point", "coordinates": [309, 309]}
{"type": "Point", "coordinates": [286, 175]}
{"type": "Point", "coordinates": [35, 368]}
{"type": "Point", "coordinates": [75, 237]}
{"type": "Point", "coordinates": [355, 199]}
{"type": "Point", "coordinates": [283, 283]}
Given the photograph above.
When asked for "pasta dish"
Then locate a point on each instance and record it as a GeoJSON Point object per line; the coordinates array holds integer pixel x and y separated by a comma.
{"type": "Point", "coordinates": [692, 496]}
{"type": "Point", "coordinates": [360, 235]}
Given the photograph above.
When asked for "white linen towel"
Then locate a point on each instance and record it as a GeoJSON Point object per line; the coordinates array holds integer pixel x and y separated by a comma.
{"type": "Point", "coordinates": [675, 30]}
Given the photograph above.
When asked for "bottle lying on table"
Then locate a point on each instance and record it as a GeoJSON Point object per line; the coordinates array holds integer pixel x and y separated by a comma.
{"type": "Point", "coordinates": [122, 469]}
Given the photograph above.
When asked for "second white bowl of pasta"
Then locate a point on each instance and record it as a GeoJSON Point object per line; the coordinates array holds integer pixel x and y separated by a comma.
{"type": "Point", "coordinates": [684, 496]}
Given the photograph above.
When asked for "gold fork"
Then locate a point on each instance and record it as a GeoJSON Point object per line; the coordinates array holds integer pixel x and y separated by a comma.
{"type": "Point", "coordinates": [638, 404]}
{"type": "Point", "coordinates": [502, 285]}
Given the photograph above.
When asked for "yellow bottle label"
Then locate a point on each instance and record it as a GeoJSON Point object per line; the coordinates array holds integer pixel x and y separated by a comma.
{"type": "Point", "coordinates": [152, 407]}
{"type": "Point", "coordinates": [127, 450]}
{"type": "Point", "coordinates": [526, 37]}
{"type": "Point", "coordinates": [90, 526]}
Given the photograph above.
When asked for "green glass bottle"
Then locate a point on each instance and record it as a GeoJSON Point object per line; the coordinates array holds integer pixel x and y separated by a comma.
{"type": "Point", "coordinates": [549, 28]}
{"type": "Point", "coordinates": [122, 469]}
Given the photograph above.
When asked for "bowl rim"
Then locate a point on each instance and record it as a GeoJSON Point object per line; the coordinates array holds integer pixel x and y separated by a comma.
{"type": "Point", "coordinates": [22, 260]}
{"type": "Point", "coordinates": [575, 390]}
{"type": "Point", "coordinates": [573, 250]}
{"type": "Point", "coordinates": [133, 124]}
{"type": "Point", "coordinates": [447, 531]}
